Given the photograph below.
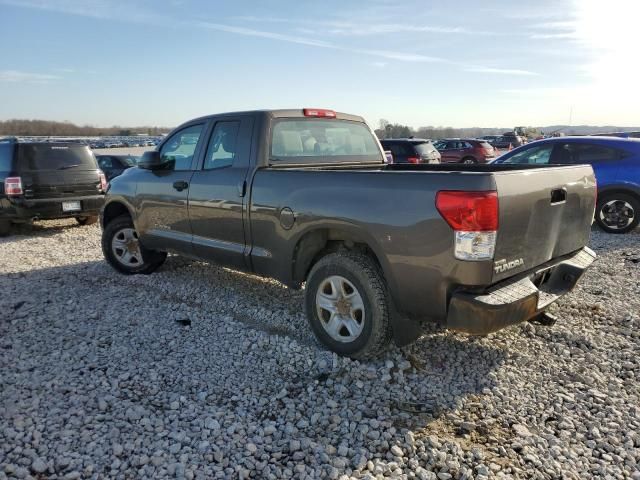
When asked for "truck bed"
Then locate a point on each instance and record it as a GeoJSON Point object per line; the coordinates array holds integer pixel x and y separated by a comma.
{"type": "Point", "coordinates": [392, 209]}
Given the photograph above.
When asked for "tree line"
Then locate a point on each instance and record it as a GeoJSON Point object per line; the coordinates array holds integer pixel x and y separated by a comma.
{"type": "Point", "coordinates": [34, 128]}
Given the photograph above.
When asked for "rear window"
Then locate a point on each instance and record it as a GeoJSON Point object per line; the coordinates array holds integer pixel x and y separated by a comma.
{"type": "Point", "coordinates": [56, 157]}
{"type": "Point", "coordinates": [6, 154]}
{"type": "Point", "coordinates": [320, 141]}
{"type": "Point", "coordinates": [424, 148]}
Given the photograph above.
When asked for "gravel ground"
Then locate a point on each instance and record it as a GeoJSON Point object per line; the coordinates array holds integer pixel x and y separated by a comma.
{"type": "Point", "coordinates": [200, 372]}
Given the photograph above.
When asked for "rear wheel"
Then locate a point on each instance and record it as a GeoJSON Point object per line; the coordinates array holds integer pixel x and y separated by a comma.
{"type": "Point", "coordinates": [88, 220]}
{"type": "Point", "coordinates": [5, 228]}
{"type": "Point", "coordinates": [469, 161]}
{"type": "Point", "coordinates": [123, 250]}
{"type": "Point", "coordinates": [347, 305]}
{"type": "Point", "coordinates": [618, 212]}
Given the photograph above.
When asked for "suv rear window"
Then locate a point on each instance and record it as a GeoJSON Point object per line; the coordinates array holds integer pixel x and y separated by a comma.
{"type": "Point", "coordinates": [424, 148]}
{"type": "Point", "coordinates": [6, 154]}
{"type": "Point", "coordinates": [320, 141]}
{"type": "Point", "coordinates": [56, 157]}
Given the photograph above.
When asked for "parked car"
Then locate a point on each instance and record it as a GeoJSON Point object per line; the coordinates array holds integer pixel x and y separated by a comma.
{"type": "Point", "coordinates": [305, 196]}
{"type": "Point", "coordinates": [411, 150]}
{"type": "Point", "coordinates": [618, 134]}
{"type": "Point", "coordinates": [114, 165]}
{"type": "Point", "coordinates": [508, 140]}
{"type": "Point", "coordinates": [465, 150]}
{"type": "Point", "coordinates": [616, 162]}
{"type": "Point", "coordinates": [48, 180]}
{"type": "Point", "coordinates": [490, 138]}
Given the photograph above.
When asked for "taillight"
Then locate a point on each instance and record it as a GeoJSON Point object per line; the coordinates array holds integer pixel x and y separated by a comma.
{"type": "Point", "coordinates": [319, 112]}
{"type": "Point", "coordinates": [103, 181]}
{"type": "Point", "coordinates": [413, 160]}
{"type": "Point", "coordinates": [474, 218]}
{"type": "Point", "coordinates": [13, 186]}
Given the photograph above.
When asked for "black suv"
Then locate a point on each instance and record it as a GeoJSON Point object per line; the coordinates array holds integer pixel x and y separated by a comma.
{"type": "Point", "coordinates": [48, 180]}
{"type": "Point", "coordinates": [411, 150]}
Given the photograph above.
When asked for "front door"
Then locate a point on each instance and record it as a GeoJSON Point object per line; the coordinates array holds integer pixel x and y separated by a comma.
{"type": "Point", "coordinates": [218, 193]}
{"type": "Point", "coordinates": [163, 217]}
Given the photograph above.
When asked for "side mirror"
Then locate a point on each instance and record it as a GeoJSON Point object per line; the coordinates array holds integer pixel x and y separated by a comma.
{"type": "Point", "coordinates": [150, 160]}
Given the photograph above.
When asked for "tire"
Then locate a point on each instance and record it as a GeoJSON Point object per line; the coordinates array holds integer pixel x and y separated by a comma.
{"type": "Point", "coordinates": [618, 212]}
{"type": "Point", "coordinates": [89, 220]}
{"type": "Point", "coordinates": [119, 235]}
{"type": "Point", "coordinates": [366, 331]}
{"type": "Point", "coordinates": [5, 228]}
{"type": "Point", "coordinates": [469, 161]}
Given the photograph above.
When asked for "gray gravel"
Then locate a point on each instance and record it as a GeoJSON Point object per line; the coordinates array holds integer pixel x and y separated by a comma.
{"type": "Point", "coordinates": [200, 372]}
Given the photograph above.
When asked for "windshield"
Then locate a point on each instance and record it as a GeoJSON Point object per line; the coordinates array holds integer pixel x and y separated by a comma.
{"type": "Point", "coordinates": [56, 157]}
{"type": "Point", "coordinates": [321, 141]}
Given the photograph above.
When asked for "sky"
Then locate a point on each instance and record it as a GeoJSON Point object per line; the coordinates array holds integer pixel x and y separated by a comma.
{"type": "Point", "coordinates": [441, 63]}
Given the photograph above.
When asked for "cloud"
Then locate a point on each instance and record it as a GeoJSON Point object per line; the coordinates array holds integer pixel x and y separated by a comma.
{"type": "Point", "coordinates": [344, 28]}
{"type": "Point", "coordinates": [378, 64]}
{"type": "Point", "coordinates": [391, 55]}
{"type": "Point", "coordinates": [15, 76]}
{"type": "Point", "coordinates": [124, 11]}
{"type": "Point", "coordinates": [500, 71]}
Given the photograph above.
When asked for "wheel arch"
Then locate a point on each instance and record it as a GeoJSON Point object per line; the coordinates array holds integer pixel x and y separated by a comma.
{"type": "Point", "coordinates": [605, 191]}
{"type": "Point", "coordinates": [113, 210]}
{"type": "Point", "coordinates": [318, 241]}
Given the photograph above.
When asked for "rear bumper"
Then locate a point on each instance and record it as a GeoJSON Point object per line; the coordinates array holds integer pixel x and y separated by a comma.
{"type": "Point", "coordinates": [49, 208]}
{"type": "Point", "coordinates": [517, 299]}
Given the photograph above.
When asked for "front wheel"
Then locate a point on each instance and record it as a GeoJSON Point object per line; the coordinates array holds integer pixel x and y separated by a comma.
{"type": "Point", "coordinates": [88, 220]}
{"type": "Point", "coordinates": [123, 250]}
{"type": "Point", "coordinates": [469, 161]}
{"type": "Point", "coordinates": [347, 305]}
{"type": "Point", "coordinates": [618, 212]}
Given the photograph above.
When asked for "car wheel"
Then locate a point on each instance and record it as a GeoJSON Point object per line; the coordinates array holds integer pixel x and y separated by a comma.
{"type": "Point", "coordinates": [123, 250]}
{"type": "Point", "coordinates": [348, 306]}
{"type": "Point", "coordinates": [618, 212]}
{"type": "Point", "coordinates": [89, 220]}
{"type": "Point", "coordinates": [469, 161]}
{"type": "Point", "coordinates": [5, 228]}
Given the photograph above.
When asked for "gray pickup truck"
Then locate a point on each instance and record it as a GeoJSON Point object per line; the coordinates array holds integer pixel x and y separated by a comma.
{"type": "Point", "coordinates": [305, 197]}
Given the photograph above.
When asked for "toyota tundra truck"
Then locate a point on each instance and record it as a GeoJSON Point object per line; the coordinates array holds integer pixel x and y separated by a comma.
{"type": "Point", "coordinates": [306, 197]}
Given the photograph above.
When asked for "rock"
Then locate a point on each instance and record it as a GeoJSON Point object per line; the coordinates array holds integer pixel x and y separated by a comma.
{"type": "Point", "coordinates": [39, 465]}
{"type": "Point", "coordinates": [397, 451]}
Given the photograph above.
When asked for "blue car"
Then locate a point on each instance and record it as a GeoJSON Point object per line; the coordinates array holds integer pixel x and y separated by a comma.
{"type": "Point", "coordinates": [616, 163]}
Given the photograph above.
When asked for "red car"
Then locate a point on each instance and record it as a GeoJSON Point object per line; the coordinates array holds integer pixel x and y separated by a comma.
{"type": "Point", "coordinates": [465, 150]}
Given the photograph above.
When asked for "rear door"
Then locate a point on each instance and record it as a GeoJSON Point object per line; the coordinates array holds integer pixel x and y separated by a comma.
{"type": "Point", "coordinates": [218, 192]}
{"type": "Point", "coordinates": [51, 171]}
{"type": "Point", "coordinates": [543, 214]}
{"type": "Point", "coordinates": [162, 195]}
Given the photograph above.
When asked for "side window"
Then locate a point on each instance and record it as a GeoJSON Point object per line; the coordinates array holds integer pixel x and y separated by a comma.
{"type": "Point", "coordinates": [534, 155]}
{"type": "Point", "coordinates": [181, 146]}
{"type": "Point", "coordinates": [105, 162]}
{"type": "Point", "coordinates": [222, 147]}
{"type": "Point", "coordinates": [596, 153]}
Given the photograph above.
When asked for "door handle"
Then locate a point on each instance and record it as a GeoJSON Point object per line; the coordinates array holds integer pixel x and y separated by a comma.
{"type": "Point", "coordinates": [558, 195]}
{"type": "Point", "coordinates": [180, 185]}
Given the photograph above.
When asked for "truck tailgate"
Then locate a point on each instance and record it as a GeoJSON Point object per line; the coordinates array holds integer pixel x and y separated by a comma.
{"type": "Point", "coordinates": [543, 214]}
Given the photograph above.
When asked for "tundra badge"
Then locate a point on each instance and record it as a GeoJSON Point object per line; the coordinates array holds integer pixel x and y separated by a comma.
{"type": "Point", "coordinates": [501, 266]}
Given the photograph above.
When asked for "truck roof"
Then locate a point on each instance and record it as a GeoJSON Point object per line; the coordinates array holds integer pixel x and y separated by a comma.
{"type": "Point", "coordinates": [277, 113]}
